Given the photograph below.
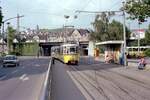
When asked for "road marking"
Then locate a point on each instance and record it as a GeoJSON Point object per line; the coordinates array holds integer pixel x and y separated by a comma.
{"type": "Point", "coordinates": [3, 77]}
{"type": "Point", "coordinates": [24, 77]}
{"type": "Point", "coordinates": [23, 67]}
{"type": "Point", "coordinates": [37, 65]}
{"type": "Point", "coordinates": [14, 71]}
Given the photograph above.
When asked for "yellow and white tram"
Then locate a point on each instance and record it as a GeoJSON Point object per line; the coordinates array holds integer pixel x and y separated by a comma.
{"type": "Point", "coordinates": [67, 53]}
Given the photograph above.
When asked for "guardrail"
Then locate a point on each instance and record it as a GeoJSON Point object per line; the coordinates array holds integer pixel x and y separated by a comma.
{"type": "Point", "coordinates": [46, 90]}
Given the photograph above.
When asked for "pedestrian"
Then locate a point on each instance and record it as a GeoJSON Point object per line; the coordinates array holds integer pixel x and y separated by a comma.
{"type": "Point", "coordinates": [107, 59]}
{"type": "Point", "coordinates": [38, 54]}
{"type": "Point", "coordinates": [142, 63]}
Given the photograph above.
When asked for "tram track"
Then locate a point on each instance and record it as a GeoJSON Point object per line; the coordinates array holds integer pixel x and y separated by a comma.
{"type": "Point", "coordinates": [134, 80]}
{"type": "Point", "coordinates": [113, 84]}
{"type": "Point", "coordinates": [129, 88]}
{"type": "Point", "coordinates": [80, 83]}
{"type": "Point", "coordinates": [130, 80]}
{"type": "Point", "coordinates": [97, 88]}
{"type": "Point", "coordinates": [140, 83]}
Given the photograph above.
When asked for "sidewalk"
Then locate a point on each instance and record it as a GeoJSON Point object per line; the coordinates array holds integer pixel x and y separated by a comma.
{"type": "Point", "coordinates": [130, 63]}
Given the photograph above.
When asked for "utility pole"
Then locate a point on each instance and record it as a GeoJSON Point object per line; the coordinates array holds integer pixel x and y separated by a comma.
{"type": "Point", "coordinates": [18, 23]}
{"type": "Point", "coordinates": [18, 26]}
{"type": "Point", "coordinates": [8, 45]}
{"type": "Point", "coordinates": [139, 39]}
{"type": "Point", "coordinates": [3, 37]}
{"type": "Point", "coordinates": [111, 13]}
{"type": "Point", "coordinates": [3, 28]}
{"type": "Point", "coordinates": [65, 35]}
{"type": "Point", "coordinates": [124, 34]}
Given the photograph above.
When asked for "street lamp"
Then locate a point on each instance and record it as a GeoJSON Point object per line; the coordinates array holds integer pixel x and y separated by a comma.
{"type": "Point", "coordinates": [65, 37]}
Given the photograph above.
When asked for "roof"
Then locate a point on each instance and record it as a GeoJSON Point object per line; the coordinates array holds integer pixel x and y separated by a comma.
{"type": "Point", "coordinates": [83, 31]}
{"type": "Point", "coordinates": [110, 42]}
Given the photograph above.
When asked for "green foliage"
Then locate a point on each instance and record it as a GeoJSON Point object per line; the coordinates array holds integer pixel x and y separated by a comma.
{"type": "Point", "coordinates": [105, 30]}
{"type": "Point", "coordinates": [147, 36]}
{"type": "Point", "coordinates": [115, 31]}
{"type": "Point", "coordinates": [138, 9]}
{"type": "Point", "coordinates": [10, 38]}
{"type": "Point", "coordinates": [100, 28]}
{"type": "Point", "coordinates": [26, 49]}
{"type": "Point", "coordinates": [147, 52]}
{"type": "Point", "coordinates": [2, 54]}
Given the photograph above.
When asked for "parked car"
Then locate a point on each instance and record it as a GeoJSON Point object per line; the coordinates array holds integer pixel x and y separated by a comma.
{"type": "Point", "coordinates": [10, 60]}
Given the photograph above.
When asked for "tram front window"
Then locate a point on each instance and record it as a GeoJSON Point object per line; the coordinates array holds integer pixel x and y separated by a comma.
{"type": "Point", "coordinates": [73, 50]}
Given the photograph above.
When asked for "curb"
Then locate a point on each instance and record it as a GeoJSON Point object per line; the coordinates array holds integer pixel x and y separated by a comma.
{"type": "Point", "coordinates": [130, 64]}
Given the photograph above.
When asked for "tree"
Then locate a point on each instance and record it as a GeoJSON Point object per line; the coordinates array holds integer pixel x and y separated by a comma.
{"type": "Point", "coordinates": [138, 9]}
{"type": "Point", "coordinates": [115, 31]}
{"type": "Point", "coordinates": [10, 38]}
{"type": "Point", "coordinates": [147, 36]}
{"type": "Point", "coordinates": [20, 38]}
{"type": "Point", "coordinates": [100, 25]}
{"type": "Point", "coordinates": [105, 30]}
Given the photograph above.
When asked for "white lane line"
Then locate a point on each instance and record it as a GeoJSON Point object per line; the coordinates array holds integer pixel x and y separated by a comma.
{"type": "Point", "coordinates": [14, 71]}
{"type": "Point", "coordinates": [24, 77]}
{"type": "Point", "coordinates": [3, 77]}
{"type": "Point", "coordinates": [37, 65]}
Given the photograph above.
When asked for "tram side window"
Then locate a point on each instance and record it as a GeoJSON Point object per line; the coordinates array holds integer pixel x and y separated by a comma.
{"type": "Point", "coordinates": [61, 50]}
{"type": "Point", "coordinates": [77, 49]}
{"type": "Point", "coordinates": [65, 50]}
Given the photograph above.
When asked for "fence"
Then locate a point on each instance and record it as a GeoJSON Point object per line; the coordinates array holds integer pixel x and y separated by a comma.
{"type": "Point", "coordinates": [46, 90]}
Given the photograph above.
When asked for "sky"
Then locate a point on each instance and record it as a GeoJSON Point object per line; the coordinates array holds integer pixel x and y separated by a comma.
{"type": "Point", "coordinates": [50, 13]}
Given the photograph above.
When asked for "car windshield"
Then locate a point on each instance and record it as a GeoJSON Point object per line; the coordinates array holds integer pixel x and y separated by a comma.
{"type": "Point", "coordinates": [10, 58]}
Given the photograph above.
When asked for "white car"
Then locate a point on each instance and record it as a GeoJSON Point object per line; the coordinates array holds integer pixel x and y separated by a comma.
{"type": "Point", "coordinates": [10, 60]}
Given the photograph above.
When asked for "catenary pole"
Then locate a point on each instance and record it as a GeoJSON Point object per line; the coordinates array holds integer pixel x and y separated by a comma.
{"type": "Point", "coordinates": [124, 35]}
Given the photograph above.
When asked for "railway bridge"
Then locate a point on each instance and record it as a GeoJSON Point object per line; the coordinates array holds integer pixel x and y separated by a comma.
{"type": "Point", "coordinates": [45, 47]}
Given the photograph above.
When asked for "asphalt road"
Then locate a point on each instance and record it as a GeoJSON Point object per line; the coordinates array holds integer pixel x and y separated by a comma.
{"type": "Point", "coordinates": [92, 80]}
{"type": "Point", "coordinates": [25, 81]}
{"type": "Point", "coordinates": [63, 87]}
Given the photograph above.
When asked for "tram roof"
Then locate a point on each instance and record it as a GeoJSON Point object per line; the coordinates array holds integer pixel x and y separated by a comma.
{"type": "Point", "coordinates": [109, 42]}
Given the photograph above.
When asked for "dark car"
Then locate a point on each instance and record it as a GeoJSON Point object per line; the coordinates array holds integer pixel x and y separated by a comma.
{"type": "Point", "coordinates": [10, 60]}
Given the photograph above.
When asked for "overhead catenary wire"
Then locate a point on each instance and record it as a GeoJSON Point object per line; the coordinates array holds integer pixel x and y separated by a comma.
{"type": "Point", "coordinates": [115, 4]}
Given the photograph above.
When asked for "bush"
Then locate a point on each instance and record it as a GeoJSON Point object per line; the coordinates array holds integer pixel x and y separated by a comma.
{"type": "Point", "coordinates": [3, 54]}
{"type": "Point", "coordinates": [15, 53]}
{"type": "Point", "coordinates": [147, 53]}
